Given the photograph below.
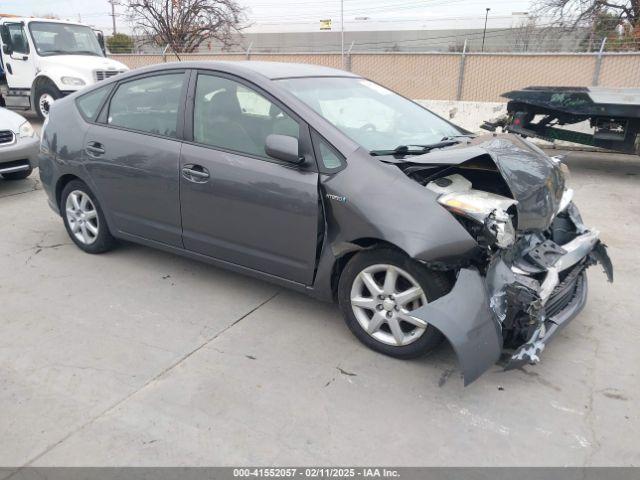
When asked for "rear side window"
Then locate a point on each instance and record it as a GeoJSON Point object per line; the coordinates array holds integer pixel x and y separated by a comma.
{"type": "Point", "coordinates": [149, 104]}
{"type": "Point", "coordinates": [89, 103]}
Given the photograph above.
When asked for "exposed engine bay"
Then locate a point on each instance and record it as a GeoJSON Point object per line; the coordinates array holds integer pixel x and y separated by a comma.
{"type": "Point", "coordinates": [533, 250]}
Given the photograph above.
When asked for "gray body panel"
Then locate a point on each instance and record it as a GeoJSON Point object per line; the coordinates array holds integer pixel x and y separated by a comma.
{"type": "Point", "coordinates": [254, 213]}
{"type": "Point", "coordinates": [136, 180]}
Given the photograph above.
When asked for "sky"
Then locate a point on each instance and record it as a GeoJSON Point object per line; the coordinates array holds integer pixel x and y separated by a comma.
{"type": "Point", "coordinates": [305, 15]}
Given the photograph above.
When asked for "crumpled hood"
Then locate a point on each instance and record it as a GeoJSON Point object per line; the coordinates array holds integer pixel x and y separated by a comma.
{"type": "Point", "coordinates": [535, 180]}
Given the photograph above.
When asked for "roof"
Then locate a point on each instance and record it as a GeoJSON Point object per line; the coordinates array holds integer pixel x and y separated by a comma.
{"type": "Point", "coordinates": [275, 70]}
{"type": "Point", "coordinates": [270, 70]}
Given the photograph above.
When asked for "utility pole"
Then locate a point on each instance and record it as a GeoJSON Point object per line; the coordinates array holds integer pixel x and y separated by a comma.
{"type": "Point", "coordinates": [342, 32]}
{"type": "Point", "coordinates": [484, 33]}
{"type": "Point", "coordinates": [113, 14]}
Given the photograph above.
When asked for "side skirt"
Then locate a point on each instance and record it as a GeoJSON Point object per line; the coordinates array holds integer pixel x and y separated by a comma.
{"type": "Point", "coordinates": [282, 282]}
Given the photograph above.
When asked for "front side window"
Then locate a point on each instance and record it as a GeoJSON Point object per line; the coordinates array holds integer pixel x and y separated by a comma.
{"type": "Point", "coordinates": [18, 38]}
{"type": "Point", "coordinates": [371, 115]}
{"type": "Point", "coordinates": [149, 104]}
{"type": "Point", "coordinates": [231, 116]}
{"type": "Point", "coordinates": [51, 38]}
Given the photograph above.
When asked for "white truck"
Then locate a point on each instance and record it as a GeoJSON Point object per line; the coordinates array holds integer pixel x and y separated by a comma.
{"type": "Point", "coordinates": [42, 60]}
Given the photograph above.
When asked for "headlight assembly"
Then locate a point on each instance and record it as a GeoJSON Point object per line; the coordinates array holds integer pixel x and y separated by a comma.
{"type": "Point", "coordinates": [486, 209]}
{"type": "Point", "coordinates": [75, 81]}
{"type": "Point", "coordinates": [26, 130]}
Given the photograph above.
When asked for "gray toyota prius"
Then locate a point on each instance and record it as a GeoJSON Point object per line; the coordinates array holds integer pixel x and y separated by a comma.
{"type": "Point", "coordinates": [322, 181]}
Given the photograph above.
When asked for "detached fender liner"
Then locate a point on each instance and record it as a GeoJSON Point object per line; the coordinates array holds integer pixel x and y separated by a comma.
{"type": "Point", "coordinates": [463, 316]}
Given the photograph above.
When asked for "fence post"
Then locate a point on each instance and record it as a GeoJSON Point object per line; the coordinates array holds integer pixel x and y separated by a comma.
{"type": "Point", "coordinates": [463, 56]}
{"type": "Point", "coordinates": [596, 70]}
{"type": "Point", "coordinates": [348, 62]}
{"type": "Point", "coordinates": [248, 52]}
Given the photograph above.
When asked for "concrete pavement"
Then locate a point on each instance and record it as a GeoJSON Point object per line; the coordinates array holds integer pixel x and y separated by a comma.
{"type": "Point", "coordinates": [138, 357]}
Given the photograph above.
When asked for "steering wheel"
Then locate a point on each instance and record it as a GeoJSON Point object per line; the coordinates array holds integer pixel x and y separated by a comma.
{"type": "Point", "coordinates": [368, 127]}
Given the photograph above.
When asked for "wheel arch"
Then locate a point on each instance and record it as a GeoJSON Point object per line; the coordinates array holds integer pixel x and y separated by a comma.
{"type": "Point", "coordinates": [344, 251]}
{"type": "Point", "coordinates": [62, 182]}
{"type": "Point", "coordinates": [40, 81]}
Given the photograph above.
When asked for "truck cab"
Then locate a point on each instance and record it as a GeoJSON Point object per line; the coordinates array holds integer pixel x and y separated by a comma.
{"type": "Point", "coordinates": [42, 60]}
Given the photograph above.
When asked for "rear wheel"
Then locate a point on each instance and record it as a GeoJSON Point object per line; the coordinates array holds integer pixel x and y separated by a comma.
{"type": "Point", "coordinates": [378, 290]}
{"type": "Point", "coordinates": [84, 220]}
{"type": "Point", "coordinates": [17, 175]}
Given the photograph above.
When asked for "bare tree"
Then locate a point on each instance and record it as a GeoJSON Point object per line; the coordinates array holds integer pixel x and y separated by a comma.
{"type": "Point", "coordinates": [526, 33]}
{"type": "Point", "coordinates": [573, 14]}
{"type": "Point", "coordinates": [185, 24]}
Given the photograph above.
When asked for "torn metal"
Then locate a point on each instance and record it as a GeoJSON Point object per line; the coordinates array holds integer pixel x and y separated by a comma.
{"type": "Point", "coordinates": [528, 279]}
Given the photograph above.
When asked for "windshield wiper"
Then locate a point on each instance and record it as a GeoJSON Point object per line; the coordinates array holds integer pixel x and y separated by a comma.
{"type": "Point", "coordinates": [402, 150]}
{"type": "Point", "coordinates": [66, 52]}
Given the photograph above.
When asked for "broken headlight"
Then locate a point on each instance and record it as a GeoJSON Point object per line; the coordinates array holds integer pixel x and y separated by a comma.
{"type": "Point", "coordinates": [486, 209]}
{"type": "Point", "coordinates": [498, 229]}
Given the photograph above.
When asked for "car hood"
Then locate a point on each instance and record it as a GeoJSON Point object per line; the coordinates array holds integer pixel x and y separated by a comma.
{"type": "Point", "coordinates": [535, 180]}
{"type": "Point", "coordinates": [10, 120]}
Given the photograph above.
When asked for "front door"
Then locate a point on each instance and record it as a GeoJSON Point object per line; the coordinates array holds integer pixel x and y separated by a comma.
{"type": "Point", "coordinates": [133, 157]}
{"type": "Point", "coordinates": [239, 205]}
{"type": "Point", "coordinates": [19, 65]}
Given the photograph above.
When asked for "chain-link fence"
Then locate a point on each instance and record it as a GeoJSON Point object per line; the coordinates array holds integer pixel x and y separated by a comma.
{"type": "Point", "coordinates": [454, 76]}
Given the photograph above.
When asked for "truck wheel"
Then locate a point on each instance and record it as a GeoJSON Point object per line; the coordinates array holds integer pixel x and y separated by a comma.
{"type": "Point", "coordinates": [45, 96]}
{"type": "Point", "coordinates": [17, 175]}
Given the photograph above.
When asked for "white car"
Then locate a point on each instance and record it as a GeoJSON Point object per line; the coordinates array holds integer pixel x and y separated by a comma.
{"type": "Point", "coordinates": [19, 146]}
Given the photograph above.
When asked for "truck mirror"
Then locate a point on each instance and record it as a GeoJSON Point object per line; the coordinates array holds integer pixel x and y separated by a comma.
{"type": "Point", "coordinates": [6, 49]}
{"type": "Point", "coordinates": [100, 36]}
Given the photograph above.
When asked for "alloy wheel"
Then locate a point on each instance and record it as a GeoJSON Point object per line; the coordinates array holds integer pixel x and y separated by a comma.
{"type": "Point", "coordinates": [382, 297]}
{"type": "Point", "coordinates": [82, 217]}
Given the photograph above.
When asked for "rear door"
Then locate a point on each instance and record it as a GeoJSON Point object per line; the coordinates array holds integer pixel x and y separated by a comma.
{"type": "Point", "coordinates": [133, 152]}
{"type": "Point", "coordinates": [238, 204]}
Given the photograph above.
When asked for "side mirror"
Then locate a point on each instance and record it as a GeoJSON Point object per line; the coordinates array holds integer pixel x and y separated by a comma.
{"type": "Point", "coordinates": [100, 37]}
{"type": "Point", "coordinates": [283, 147]}
{"type": "Point", "coordinates": [6, 49]}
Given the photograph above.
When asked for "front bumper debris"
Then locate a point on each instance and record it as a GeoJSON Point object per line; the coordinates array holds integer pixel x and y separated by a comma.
{"type": "Point", "coordinates": [528, 294]}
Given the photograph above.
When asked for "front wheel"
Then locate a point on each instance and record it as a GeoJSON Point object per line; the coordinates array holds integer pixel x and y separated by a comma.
{"type": "Point", "coordinates": [84, 220]}
{"type": "Point", "coordinates": [378, 290]}
{"type": "Point", "coordinates": [45, 96]}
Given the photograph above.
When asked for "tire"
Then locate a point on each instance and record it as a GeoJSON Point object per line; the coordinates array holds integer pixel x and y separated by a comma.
{"type": "Point", "coordinates": [412, 276]}
{"type": "Point", "coordinates": [17, 175]}
{"type": "Point", "coordinates": [86, 225]}
{"type": "Point", "coordinates": [42, 104]}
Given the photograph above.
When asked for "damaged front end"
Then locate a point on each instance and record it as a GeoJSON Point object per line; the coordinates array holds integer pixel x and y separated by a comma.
{"type": "Point", "coordinates": [527, 280]}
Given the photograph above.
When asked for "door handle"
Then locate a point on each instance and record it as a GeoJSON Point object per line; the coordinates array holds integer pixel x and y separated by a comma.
{"type": "Point", "coordinates": [195, 173]}
{"type": "Point", "coordinates": [94, 149]}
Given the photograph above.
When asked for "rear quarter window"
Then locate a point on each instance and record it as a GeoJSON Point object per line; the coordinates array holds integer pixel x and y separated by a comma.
{"type": "Point", "coordinates": [89, 103]}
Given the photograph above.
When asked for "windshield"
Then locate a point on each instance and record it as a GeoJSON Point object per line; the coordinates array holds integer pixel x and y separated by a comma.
{"type": "Point", "coordinates": [64, 39]}
{"type": "Point", "coordinates": [376, 118]}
